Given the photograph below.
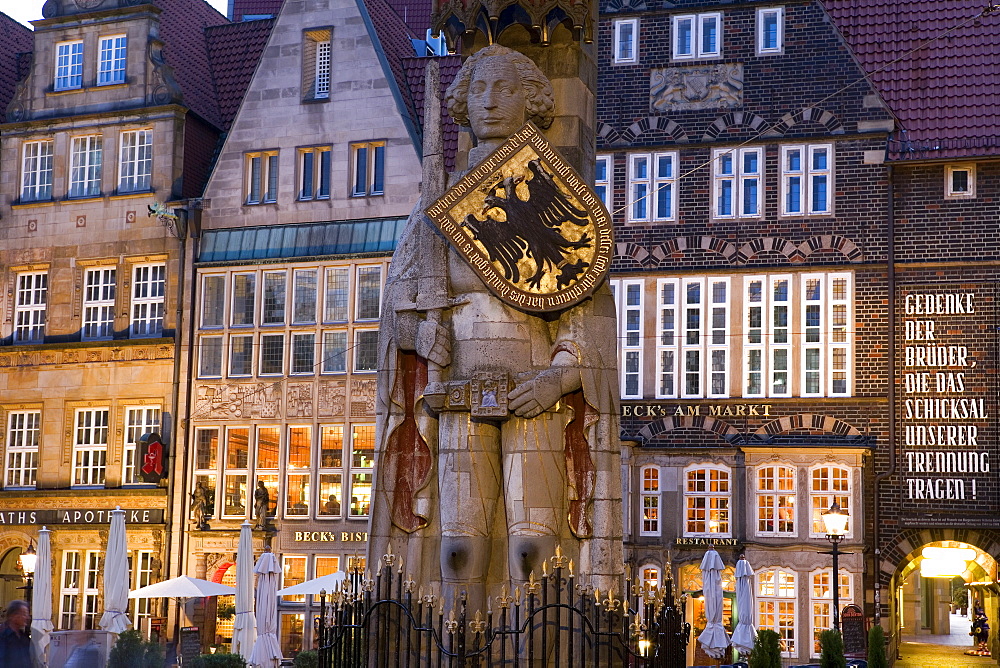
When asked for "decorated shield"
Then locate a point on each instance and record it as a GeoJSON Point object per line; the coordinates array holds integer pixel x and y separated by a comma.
{"type": "Point", "coordinates": [528, 225]}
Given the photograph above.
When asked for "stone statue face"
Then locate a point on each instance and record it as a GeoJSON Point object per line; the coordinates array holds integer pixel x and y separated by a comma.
{"type": "Point", "coordinates": [496, 100]}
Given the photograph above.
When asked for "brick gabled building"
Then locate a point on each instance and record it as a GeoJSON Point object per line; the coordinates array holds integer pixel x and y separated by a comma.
{"type": "Point", "coordinates": [117, 107]}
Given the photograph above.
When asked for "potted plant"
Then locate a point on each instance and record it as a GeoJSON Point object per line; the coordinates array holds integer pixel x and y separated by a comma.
{"type": "Point", "coordinates": [766, 650]}
{"type": "Point", "coordinates": [831, 645]}
{"type": "Point", "coordinates": [225, 611]}
{"type": "Point", "coordinates": [876, 648]}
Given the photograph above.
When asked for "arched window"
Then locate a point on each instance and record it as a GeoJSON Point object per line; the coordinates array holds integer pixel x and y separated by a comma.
{"type": "Point", "coordinates": [775, 500]}
{"type": "Point", "coordinates": [650, 499]}
{"type": "Point", "coordinates": [826, 485]}
{"type": "Point", "coordinates": [776, 595]}
{"type": "Point", "coordinates": [707, 493]}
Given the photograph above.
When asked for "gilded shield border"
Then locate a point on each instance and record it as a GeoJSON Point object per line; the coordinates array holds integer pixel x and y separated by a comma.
{"type": "Point", "coordinates": [511, 159]}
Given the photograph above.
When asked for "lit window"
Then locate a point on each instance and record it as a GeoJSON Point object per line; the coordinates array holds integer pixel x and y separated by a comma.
{"type": "Point", "coordinates": [807, 180]}
{"type": "Point", "coordinates": [331, 493]}
{"type": "Point", "coordinates": [706, 499]}
{"type": "Point", "coordinates": [298, 481]}
{"type": "Point", "coordinates": [139, 420]}
{"type": "Point", "coordinates": [737, 182]}
{"type": "Point", "coordinates": [821, 599]}
{"type": "Point", "coordinates": [692, 339]}
{"type": "Point", "coordinates": [24, 431]}
{"type": "Point", "coordinates": [770, 30]}
{"type": "Point", "coordinates": [85, 166]}
{"type": "Point", "coordinates": [135, 167]}
{"type": "Point", "coordinates": [210, 357]}
{"type": "Point", "coordinates": [262, 177]}
{"type": "Point", "coordinates": [626, 40]}
{"type": "Point", "coordinates": [960, 181]}
{"type": "Point", "coordinates": [293, 572]}
{"type": "Point", "coordinates": [36, 171]}
{"type": "Point", "coordinates": [776, 596]}
{"type": "Point", "coordinates": [697, 36]}
{"type": "Point", "coordinates": [111, 62]}
{"type": "Point", "coordinates": [29, 307]}
{"type": "Point", "coordinates": [206, 458]}
{"type": "Point", "coordinates": [314, 173]}
{"type": "Point", "coordinates": [90, 447]}
{"type": "Point", "coordinates": [148, 289]}
{"type": "Point", "coordinates": [602, 179]}
{"type": "Point", "coordinates": [362, 460]}
{"type": "Point", "coordinates": [335, 352]}
{"type": "Point", "coordinates": [69, 591]}
{"type": "Point", "coordinates": [272, 354]}
{"type": "Point", "coordinates": [267, 465]}
{"type": "Point", "coordinates": [368, 169]}
{"type": "Point", "coordinates": [652, 187]}
{"type": "Point", "coordinates": [366, 350]}
{"type": "Point", "coordinates": [650, 500]}
{"type": "Point", "coordinates": [99, 289]}
{"type": "Point", "coordinates": [828, 484]}
{"type": "Point", "coordinates": [628, 299]}
{"type": "Point", "coordinates": [234, 488]}
{"type": "Point", "coordinates": [69, 65]}
{"type": "Point", "coordinates": [775, 501]}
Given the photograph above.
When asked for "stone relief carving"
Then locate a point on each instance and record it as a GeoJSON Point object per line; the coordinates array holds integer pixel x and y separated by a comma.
{"type": "Point", "coordinates": [163, 86]}
{"type": "Point", "coordinates": [95, 355]}
{"type": "Point", "coordinates": [239, 401]}
{"type": "Point", "coordinates": [363, 397]}
{"type": "Point", "coordinates": [332, 398]}
{"type": "Point", "coordinates": [697, 87]}
{"type": "Point", "coordinates": [299, 400]}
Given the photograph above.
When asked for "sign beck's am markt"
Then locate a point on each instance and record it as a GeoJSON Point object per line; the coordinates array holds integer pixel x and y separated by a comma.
{"type": "Point", "coordinates": [695, 410]}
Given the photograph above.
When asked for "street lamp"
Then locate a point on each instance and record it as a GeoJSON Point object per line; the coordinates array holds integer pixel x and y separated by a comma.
{"type": "Point", "coordinates": [835, 520]}
{"type": "Point", "coordinates": [27, 561]}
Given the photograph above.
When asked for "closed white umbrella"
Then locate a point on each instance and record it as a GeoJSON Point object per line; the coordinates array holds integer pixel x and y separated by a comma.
{"type": "Point", "coordinates": [243, 628]}
{"type": "Point", "coordinates": [115, 618]}
{"type": "Point", "coordinates": [266, 651]}
{"type": "Point", "coordinates": [745, 633]}
{"type": "Point", "coordinates": [328, 583]}
{"type": "Point", "coordinates": [714, 638]}
{"type": "Point", "coordinates": [41, 594]}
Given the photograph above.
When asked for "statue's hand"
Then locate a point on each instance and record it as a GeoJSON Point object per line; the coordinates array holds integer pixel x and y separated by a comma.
{"type": "Point", "coordinates": [537, 395]}
{"type": "Point", "coordinates": [433, 343]}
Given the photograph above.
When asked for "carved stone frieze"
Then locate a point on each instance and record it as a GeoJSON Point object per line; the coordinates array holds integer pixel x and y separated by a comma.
{"type": "Point", "coordinates": [299, 400]}
{"type": "Point", "coordinates": [81, 502]}
{"type": "Point", "coordinates": [332, 398]}
{"type": "Point", "coordinates": [696, 87]}
{"type": "Point", "coordinates": [363, 397]}
{"type": "Point", "coordinates": [90, 356]}
{"type": "Point", "coordinates": [251, 400]}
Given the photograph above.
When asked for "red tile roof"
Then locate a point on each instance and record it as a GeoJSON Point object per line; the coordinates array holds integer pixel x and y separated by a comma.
{"type": "Point", "coordinates": [243, 8]}
{"type": "Point", "coordinates": [449, 66]}
{"type": "Point", "coordinates": [14, 39]}
{"type": "Point", "coordinates": [233, 51]}
{"type": "Point", "coordinates": [415, 13]}
{"type": "Point", "coordinates": [935, 64]}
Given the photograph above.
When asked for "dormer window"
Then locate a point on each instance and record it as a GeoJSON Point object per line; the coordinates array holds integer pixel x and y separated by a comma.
{"type": "Point", "coordinates": [69, 65]}
{"type": "Point", "coordinates": [111, 63]}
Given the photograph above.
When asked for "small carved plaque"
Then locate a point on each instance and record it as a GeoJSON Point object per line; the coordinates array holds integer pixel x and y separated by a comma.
{"type": "Point", "coordinates": [696, 87]}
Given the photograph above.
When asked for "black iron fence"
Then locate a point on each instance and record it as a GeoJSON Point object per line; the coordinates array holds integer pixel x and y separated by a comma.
{"type": "Point", "coordinates": [382, 622]}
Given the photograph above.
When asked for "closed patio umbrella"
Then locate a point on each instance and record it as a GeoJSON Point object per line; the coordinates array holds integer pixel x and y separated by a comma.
{"type": "Point", "coordinates": [266, 651]}
{"type": "Point", "coordinates": [41, 604]}
{"type": "Point", "coordinates": [243, 624]}
{"type": "Point", "coordinates": [745, 633]}
{"type": "Point", "coordinates": [714, 638]}
{"type": "Point", "coordinates": [116, 577]}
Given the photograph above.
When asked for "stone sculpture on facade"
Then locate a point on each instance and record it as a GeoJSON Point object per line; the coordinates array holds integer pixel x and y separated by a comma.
{"type": "Point", "coordinates": [199, 506]}
{"type": "Point", "coordinates": [261, 506]}
{"type": "Point", "coordinates": [472, 500]}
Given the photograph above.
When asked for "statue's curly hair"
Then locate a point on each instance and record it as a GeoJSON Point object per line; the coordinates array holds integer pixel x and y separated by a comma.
{"type": "Point", "coordinates": [537, 89]}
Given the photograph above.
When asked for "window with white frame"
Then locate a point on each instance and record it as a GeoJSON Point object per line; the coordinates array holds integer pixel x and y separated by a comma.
{"type": "Point", "coordinates": [697, 36]}
{"type": "Point", "coordinates": [736, 182]}
{"type": "Point", "coordinates": [237, 465]}
{"type": "Point", "coordinates": [85, 166]}
{"type": "Point", "coordinates": [90, 447]}
{"type": "Point", "coordinates": [368, 168]}
{"type": "Point", "coordinates": [807, 179]}
{"type": "Point", "coordinates": [206, 461]}
{"type": "Point", "coordinates": [272, 354]}
{"type": "Point", "coordinates": [336, 294]}
{"type": "Point", "coordinates": [826, 312]}
{"type": "Point", "coordinates": [139, 420]}
{"type": "Point", "coordinates": [36, 171]}
{"type": "Point", "coordinates": [240, 355]}
{"type": "Point", "coordinates": [603, 173]}
{"type": "Point", "coordinates": [69, 590]}
{"type": "Point", "coordinates": [29, 307]}
{"type": "Point", "coordinates": [650, 500]}
{"type": "Point", "coordinates": [261, 177]}
{"type": "Point", "coordinates": [24, 431]}
{"type": "Point", "coordinates": [99, 287]}
{"type": "Point", "coordinates": [365, 350]}
{"type": "Point", "coordinates": [652, 187]}
{"type": "Point", "coordinates": [298, 477]}
{"type": "Point", "coordinates": [69, 65]}
{"type": "Point", "coordinates": [775, 500]}
{"type": "Point", "coordinates": [304, 296]}
{"type": "Point", "coordinates": [628, 298]}
{"type": "Point", "coordinates": [960, 181]}
{"type": "Point", "coordinates": [314, 173]}
{"type": "Point", "coordinates": [317, 54]}
{"type": "Point", "coordinates": [244, 302]}
{"type": "Point", "coordinates": [331, 467]}
{"type": "Point", "coordinates": [303, 353]}
{"type": "Point", "coordinates": [626, 44]}
{"type": "Point", "coordinates": [707, 495]}
{"type": "Point", "coordinates": [272, 311]}
{"type": "Point", "coordinates": [335, 352]}
{"type": "Point", "coordinates": [293, 572]}
{"type": "Point", "coordinates": [141, 567]}
{"type": "Point", "coordinates": [770, 30]}
{"type": "Point", "coordinates": [210, 356]}
{"type": "Point", "coordinates": [362, 462]}
{"type": "Point", "coordinates": [267, 465]}
{"type": "Point", "coordinates": [821, 602]}
{"type": "Point", "coordinates": [829, 483]}
{"type": "Point", "coordinates": [92, 611]}
{"type": "Point", "coordinates": [111, 60]}
{"type": "Point", "coordinates": [692, 339]}
{"type": "Point", "coordinates": [135, 167]}
{"type": "Point", "coordinates": [369, 293]}
{"type": "Point", "coordinates": [148, 290]}
{"type": "Point", "coordinates": [213, 301]}
{"type": "Point", "coordinates": [776, 598]}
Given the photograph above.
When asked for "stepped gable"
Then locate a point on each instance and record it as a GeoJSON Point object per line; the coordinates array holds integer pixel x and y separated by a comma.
{"type": "Point", "coordinates": [234, 49]}
{"type": "Point", "coordinates": [449, 66]}
{"type": "Point", "coordinates": [16, 41]}
{"type": "Point", "coordinates": [945, 94]}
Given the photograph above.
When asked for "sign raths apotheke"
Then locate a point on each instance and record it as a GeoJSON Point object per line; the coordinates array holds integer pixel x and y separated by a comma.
{"type": "Point", "coordinates": [51, 517]}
